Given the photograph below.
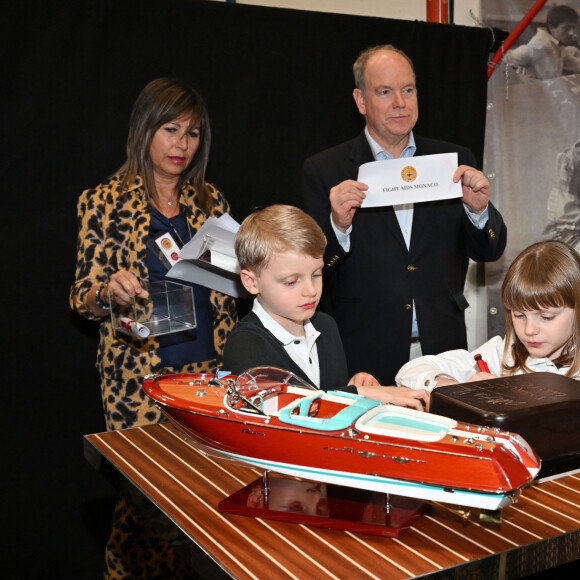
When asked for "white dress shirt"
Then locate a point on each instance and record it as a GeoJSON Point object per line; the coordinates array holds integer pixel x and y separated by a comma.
{"type": "Point", "coordinates": [301, 349]}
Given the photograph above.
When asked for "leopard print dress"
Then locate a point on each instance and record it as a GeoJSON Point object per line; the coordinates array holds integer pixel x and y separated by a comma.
{"type": "Point", "coordinates": [113, 230]}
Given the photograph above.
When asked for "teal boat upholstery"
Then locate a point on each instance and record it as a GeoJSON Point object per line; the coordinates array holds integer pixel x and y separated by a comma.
{"type": "Point", "coordinates": [343, 419]}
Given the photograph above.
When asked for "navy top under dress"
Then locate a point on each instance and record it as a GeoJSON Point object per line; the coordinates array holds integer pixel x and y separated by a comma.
{"type": "Point", "coordinates": [181, 348]}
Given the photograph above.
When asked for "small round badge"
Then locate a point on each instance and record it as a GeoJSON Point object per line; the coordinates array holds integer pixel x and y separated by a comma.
{"type": "Point", "coordinates": [409, 173]}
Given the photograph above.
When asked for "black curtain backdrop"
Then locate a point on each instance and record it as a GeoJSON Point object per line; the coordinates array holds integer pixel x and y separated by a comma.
{"type": "Point", "coordinates": [278, 85]}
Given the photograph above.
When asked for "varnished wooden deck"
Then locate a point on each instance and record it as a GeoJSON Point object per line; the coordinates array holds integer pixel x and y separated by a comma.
{"type": "Point", "coordinates": [541, 530]}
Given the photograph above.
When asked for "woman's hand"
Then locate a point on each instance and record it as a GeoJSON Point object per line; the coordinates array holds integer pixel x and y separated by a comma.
{"type": "Point", "coordinates": [123, 287]}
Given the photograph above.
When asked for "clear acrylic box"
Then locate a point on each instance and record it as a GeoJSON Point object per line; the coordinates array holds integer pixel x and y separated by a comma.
{"type": "Point", "coordinates": [168, 308]}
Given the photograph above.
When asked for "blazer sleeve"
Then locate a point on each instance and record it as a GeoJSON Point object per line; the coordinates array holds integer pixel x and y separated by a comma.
{"type": "Point", "coordinates": [316, 192]}
{"type": "Point", "coordinates": [487, 244]}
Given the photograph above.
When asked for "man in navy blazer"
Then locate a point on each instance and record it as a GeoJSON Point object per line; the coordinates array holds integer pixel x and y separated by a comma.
{"type": "Point", "coordinates": [395, 275]}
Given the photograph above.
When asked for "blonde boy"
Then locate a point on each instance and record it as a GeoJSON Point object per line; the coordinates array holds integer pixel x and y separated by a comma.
{"type": "Point", "coordinates": [280, 251]}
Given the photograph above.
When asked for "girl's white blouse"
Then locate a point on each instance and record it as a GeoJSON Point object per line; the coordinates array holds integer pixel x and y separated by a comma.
{"type": "Point", "coordinates": [460, 365]}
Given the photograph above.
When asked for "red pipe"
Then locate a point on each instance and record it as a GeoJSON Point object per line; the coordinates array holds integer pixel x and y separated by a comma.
{"type": "Point", "coordinates": [513, 36]}
{"type": "Point", "coordinates": [438, 11]}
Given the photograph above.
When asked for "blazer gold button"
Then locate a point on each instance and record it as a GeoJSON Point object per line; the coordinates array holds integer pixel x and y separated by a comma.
{"type": "Point", "coordinates": [411, 268]}
{"type": "Point", "coordinates": [408, 307]}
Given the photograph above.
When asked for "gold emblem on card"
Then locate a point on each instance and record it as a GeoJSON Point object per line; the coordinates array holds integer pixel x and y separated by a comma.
{"type": "Point", "coordinates": [409, 173]}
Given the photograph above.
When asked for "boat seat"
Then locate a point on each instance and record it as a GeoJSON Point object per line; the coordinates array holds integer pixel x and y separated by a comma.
{"type": "Point", "coordinates": [306, 403]}
{"type": "Point", "coordinates": [343, 419]}
{"type": "Point", "coordinates": [393, 421]}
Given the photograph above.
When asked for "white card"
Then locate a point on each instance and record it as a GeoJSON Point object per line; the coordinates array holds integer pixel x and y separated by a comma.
{"type": "Point", "coordinates": [410, 180]}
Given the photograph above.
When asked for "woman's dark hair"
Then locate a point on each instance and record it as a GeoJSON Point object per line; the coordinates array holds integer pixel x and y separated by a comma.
{"type": "Point", "coordinates": [161, 101]}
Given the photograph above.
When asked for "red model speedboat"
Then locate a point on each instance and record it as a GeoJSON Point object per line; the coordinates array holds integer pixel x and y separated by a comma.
{"type": "Point", "coordinates": [270, 419]}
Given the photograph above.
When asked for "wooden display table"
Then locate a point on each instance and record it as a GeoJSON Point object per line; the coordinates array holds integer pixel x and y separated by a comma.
{"type": "Point", "coordinates": [540, 531]}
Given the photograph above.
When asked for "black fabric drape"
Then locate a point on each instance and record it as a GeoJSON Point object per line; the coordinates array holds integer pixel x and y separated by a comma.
{"type": "Point", "coordinates": [278, 84]}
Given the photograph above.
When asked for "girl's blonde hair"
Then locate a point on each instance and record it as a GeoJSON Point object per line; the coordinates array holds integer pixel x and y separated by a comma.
{"type": "Point", "coordinates": [544, 275]}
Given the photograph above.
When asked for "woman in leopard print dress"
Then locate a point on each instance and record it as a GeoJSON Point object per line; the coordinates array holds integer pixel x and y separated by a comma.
{"type": "Point", "coordinates": [160, 188]}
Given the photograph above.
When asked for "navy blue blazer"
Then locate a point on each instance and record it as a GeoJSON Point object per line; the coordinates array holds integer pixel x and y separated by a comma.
{"type": "Point", "coordinates": [371, 288]}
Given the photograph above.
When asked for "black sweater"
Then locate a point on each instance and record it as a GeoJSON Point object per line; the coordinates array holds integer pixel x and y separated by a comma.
{"type": "Point", "coordinates": [251, 345]}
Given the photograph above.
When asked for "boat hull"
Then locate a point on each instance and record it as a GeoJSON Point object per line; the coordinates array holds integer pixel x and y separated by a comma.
{"type": "Point", "coordinates": [312, 470]}
{"type": "Point", "coordinates": [458, 467]}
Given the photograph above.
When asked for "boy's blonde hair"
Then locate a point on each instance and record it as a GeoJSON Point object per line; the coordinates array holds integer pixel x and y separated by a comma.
{"type": "Point", "coordinates": [544, 275]}
{"type": "Point", "coordinates": [277, 228]}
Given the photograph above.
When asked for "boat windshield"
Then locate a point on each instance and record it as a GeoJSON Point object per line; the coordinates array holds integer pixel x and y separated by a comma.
{"type": "Point", "coordinates": [253, 379]}
{"type": "Point", "coordinates": [255, 384]}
